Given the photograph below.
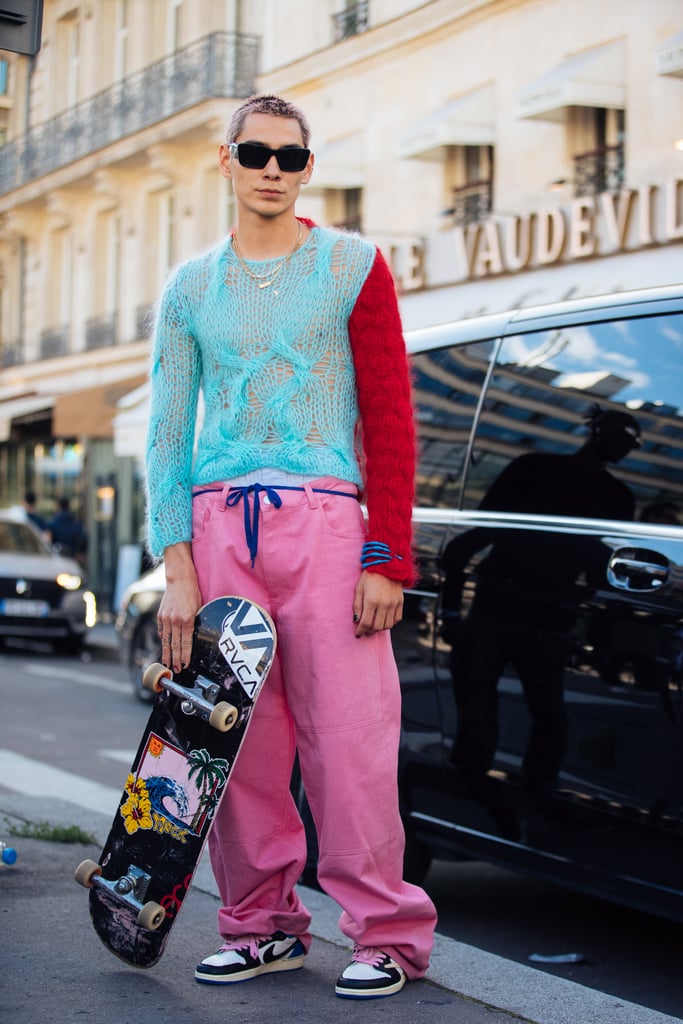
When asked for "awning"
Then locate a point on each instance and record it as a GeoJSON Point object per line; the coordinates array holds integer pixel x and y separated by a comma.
{"type": "Point", "coordinates": [670, 56]}
{"type": "Point", "coordinates": [89, 413]}
{"type": "Point", "coordinates": [17, 409]}
{"type": "Point", "coordinates": [130, 423]}
{"type": "Point", "coordinates": [466, 121]}
{"type": "Point", "coordinates": [339, 164]}
{"type": "Point", "coordinates": [132, 418]}
{"type": "Point", "coordinates": [592, 79]}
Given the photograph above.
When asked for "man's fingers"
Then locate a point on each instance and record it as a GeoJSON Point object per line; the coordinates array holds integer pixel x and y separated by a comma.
{"type": "Point", "coordinates": [176, 646]}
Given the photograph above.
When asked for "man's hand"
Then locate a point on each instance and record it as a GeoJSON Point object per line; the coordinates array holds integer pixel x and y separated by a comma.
{"type": "Point", "coordinates": [178, 608]}
{"type": "Point", "coordinates": [377, 603]}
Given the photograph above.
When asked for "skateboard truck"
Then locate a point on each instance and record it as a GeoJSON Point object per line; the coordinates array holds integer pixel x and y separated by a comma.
{"type": "Point", "coordinates": [198, 700]}
{"type": "Point", "coordinates": [130, 888]}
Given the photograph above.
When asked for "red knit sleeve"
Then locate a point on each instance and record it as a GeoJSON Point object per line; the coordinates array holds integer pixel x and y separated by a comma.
{"type": "Point", "coordinates": [387, 422]}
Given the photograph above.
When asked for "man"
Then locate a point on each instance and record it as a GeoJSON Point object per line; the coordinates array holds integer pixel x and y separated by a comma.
{"type": "Point", "coordinates": [31, 509]}
{"type": "Point", "coordinates": [293, 333]}
{"type": "Point", "coordinates": [527, 590]}
{"type": "Point", "coordinates": [66, 532]}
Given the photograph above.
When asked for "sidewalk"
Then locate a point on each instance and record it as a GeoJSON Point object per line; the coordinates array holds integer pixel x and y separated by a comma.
{"type": "Point", "coordinates": [40, 899]}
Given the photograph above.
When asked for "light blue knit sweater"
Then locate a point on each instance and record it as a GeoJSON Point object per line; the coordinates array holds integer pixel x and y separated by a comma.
{"type": "Point", "coordinates": [274, 365]}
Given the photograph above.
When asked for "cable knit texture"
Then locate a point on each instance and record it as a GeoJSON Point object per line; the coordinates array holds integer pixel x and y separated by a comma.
{"type": "Point", "coordinates": [285, 372]}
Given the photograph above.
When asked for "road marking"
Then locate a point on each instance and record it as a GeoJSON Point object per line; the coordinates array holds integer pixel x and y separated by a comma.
{"type": "Point", "coordinates": [85, 679]}
{"type": "Point", "coordinates": [35, 778]}
{"type": "Point", "coordinates": [124, 756]}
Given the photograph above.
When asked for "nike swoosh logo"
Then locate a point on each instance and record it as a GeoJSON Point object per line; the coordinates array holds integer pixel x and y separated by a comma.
{"type": "Point", "coordinates": [275, 951]}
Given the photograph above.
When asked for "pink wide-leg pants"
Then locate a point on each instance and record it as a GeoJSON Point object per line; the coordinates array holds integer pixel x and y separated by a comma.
{"type": "Point", "coordinates": [336, 699]}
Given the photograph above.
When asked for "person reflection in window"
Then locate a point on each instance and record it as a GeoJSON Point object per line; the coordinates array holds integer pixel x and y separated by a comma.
{"type": "Point", "coordinates": [527, 588]}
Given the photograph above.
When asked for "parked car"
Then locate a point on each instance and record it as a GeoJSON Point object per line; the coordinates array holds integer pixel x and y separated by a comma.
{"type": "Point", "coordinates": [42, 595]}
{"type": "Point", "coordinates": [541, 650]}
{"type": "Point", "coordinates": [136, 625]}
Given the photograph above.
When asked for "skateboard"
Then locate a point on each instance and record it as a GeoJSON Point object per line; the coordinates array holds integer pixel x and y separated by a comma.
{"type": "Point", "coordinates": [177, 780]}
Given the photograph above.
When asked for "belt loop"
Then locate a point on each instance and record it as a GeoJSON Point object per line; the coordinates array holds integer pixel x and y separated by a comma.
{"type": "Point", "coordinates": [313, 500]}
{"type": "Point", "coordinates": [224, 498]}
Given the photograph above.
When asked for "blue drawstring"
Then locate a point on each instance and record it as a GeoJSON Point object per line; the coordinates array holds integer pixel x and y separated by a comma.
{"type": "Point", "coordinates": [236, 494]}
{"type": "Point", "coordinates": [251, 515]}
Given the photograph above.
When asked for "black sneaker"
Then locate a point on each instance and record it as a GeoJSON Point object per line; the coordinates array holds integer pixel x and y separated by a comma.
{"type": "Point", "coordinates": [370, 974]}
{"type": "Point", "coordinates": [245, 956]}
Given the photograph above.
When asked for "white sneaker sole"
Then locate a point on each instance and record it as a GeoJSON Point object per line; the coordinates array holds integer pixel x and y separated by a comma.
{"type": "Point", "coordinates": [369, 993]}
{"type": "Point", "coordinates": [291, 964]}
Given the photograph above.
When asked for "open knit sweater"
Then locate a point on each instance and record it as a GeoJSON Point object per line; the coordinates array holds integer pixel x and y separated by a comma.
{"type": "Point", "coordinates": [288, 373]}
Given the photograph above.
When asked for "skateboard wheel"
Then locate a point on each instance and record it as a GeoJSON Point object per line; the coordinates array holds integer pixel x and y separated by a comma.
{"type": "Point", "coordinates": [151, 916]}
{"type": "Point", "coordinates": [223, 716]}
{"type": "Point", "coordinates": [153, 675]}
{"type": "Point", "coordinates": [86, 871]}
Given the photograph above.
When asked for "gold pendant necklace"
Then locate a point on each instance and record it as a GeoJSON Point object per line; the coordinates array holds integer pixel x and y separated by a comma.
{"type": "Point", "coordinates": [265, 280]}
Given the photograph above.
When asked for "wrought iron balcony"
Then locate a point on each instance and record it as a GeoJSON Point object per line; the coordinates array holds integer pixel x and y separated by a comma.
{"type": "Point", "coordinates": [601, 170]}
{"type": "Point", "coordinates": [351, 21]}
{"type": "Point", "coordinates": [11, 354]}
{"type": "Point", "coordinates": [54, 341]}
{"type": "Point", "coordinates": [350, 224]}
{"type": "Point", "coordinates": [100, 331]}
{"type": "Point", "coordinates": [222, 65]}
{"type": "Point", "coordinates": [471, 203]}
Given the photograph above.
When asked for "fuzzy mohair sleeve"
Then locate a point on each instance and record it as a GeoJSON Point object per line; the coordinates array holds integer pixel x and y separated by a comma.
{"type": "Point", "coordinates": [387, 420]}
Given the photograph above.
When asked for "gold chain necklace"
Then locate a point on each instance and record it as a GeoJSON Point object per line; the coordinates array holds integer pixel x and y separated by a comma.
{"type": "Point", "coordinates": [265, 280]}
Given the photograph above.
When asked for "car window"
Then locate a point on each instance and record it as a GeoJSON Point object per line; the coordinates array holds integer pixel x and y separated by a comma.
{"type": "Point", "coordinates": [17, 538]}
{"type": "Point", "coordinates": [549, 390]}
{"type": "Point", "coordinates": [447, 386]}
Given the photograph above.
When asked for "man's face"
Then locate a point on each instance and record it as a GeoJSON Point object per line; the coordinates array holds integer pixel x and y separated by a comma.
{"type": "Point", "coordinates": [268, 191]}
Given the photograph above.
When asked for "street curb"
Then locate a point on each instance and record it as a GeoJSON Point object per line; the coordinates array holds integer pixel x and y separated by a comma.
{"type": "Point", "coordinates": [473, 974]}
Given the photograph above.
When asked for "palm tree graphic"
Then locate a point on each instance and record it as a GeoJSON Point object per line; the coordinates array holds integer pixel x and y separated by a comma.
{"type": "Point", "coordinates": [211, 774]}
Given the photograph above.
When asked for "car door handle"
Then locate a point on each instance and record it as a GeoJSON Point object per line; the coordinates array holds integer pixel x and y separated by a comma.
{"type": "Point", "coordinates": [637, 569]}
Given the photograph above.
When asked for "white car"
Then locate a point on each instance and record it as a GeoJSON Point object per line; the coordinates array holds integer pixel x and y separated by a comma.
{"type": "Point", "coordinates": [42, 593]}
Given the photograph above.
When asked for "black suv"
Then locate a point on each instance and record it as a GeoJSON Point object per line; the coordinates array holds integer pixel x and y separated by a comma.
{"type": "Point", "coordinates": [541, 651]}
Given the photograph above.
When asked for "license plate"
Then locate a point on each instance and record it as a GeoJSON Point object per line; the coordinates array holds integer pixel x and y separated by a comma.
{"type": "Point", "coordinates": [30, 609]}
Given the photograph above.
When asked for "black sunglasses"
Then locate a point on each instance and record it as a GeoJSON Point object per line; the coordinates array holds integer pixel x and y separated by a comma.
{"type": "Point", "coordinates": [255, 156]}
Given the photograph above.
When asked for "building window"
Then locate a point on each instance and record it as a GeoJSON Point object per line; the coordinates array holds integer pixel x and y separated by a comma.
{"type": "Point", "coordinates": [161, 235]}
{"type": "Point", "coordinates": [351, 21]}
{"type": "Point", "coordinates": [59, 290]}
{"type": "Point", "coordinates": [121, 40]}
{"type": "Point", "coordinates": [107, 262]}
{"type": "Point", "coordinates": [217, 208]}
{"type": "Point", "coordinates": [597, 137]}
{"type": "Point", "coordinates": [4, 76]}
{"type": "Point", "coordinates": [173, 25]}
{"type": "Point", "coordinates": [66, 70]}
{"type": "Point", "coordinates": [346, 208]}
{"type": "Point", "coordinates": [469, 179]}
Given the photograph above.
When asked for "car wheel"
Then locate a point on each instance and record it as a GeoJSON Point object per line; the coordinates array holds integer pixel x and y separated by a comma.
{"type": "Point", "coordinates": [145, 649]}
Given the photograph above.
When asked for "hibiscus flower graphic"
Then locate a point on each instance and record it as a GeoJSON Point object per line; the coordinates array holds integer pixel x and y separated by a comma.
{"type": "Point", "coordinates": [137, 810]}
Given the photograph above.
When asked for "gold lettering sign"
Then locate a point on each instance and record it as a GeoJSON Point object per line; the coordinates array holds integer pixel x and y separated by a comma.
{"type": "Point", "coordinates": [589, 226]}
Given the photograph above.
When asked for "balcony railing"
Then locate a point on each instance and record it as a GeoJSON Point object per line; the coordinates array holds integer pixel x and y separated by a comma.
{"type": "Point", "coordinates": [471, 203]}
{"type": "Point", "coordinates": [222, 65]}
{"type": "Point", "coordinates": [100, 331]}
{"type": "Point", "coordinates": [351, 21]}
{"type": "Point", "coordinates": [11, 354]}
{"type": "Point", "coordinates": [601, 170]}
{"type": "Point", "coordinates": [54, 341]}
{"type": "Point", "coordinates": [350, 224]}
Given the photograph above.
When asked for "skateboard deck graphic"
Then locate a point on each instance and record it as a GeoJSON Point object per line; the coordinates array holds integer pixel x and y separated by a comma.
{"type": "Point", "coordinates": [177, 780]}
